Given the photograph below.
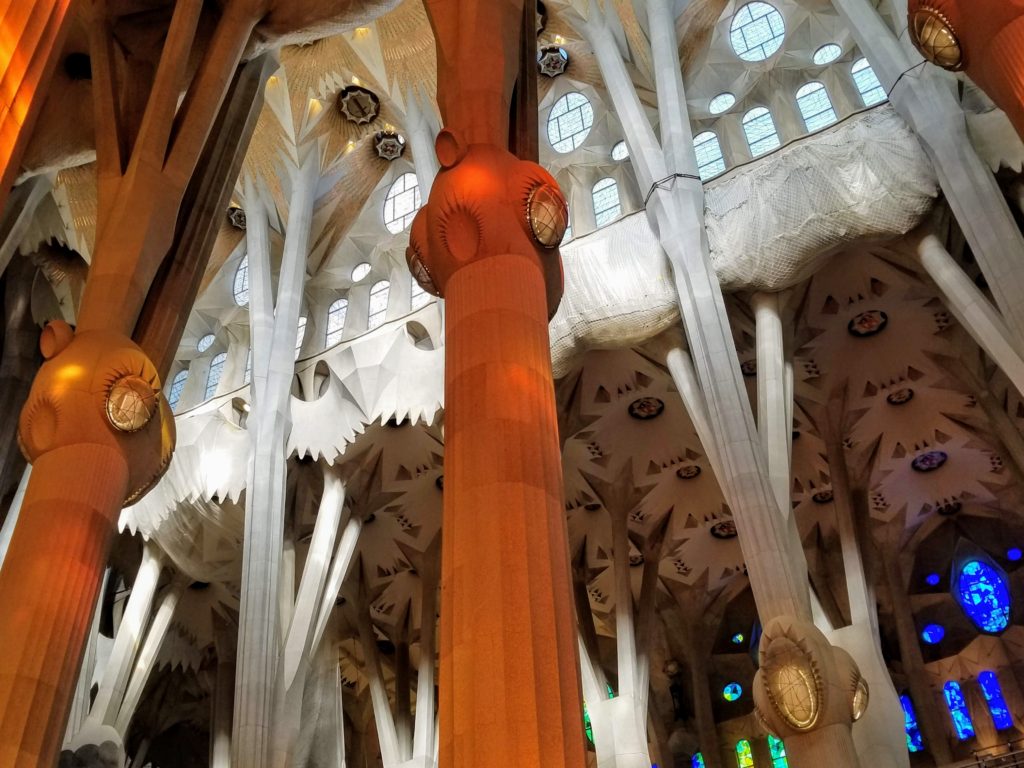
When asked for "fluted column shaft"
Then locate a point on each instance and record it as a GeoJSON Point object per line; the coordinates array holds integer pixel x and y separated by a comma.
{"type": "Point", "coordinates": [509, 680]}
{"type": "Point", "coordinates": [51, 623]}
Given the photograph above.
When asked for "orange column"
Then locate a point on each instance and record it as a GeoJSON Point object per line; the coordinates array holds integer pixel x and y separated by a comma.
{"type": "Point", "coordinates": [65, 528]}
{"type": "Point", "coordinates": [984, 38]}
{"type": "Point", "coordinates": [31, 36]}
{"type": "Point", "coordinates": [509, 683]}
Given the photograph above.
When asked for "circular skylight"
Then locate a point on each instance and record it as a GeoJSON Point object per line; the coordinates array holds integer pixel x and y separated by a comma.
{"type": "Point", "coordinates": [360, 271]}
{"type": "Point", "coordinates": [721, 103]}
{"type": "Point", "coordinates": [827, 53]}
{"type": "Point", "coordinates": [401, 204]}
{"type": "Point", "coordinates": [620, 152]}
{"type": "Point", "coordinates": [757, 31]}
{"type": "Point", "coordinates": [205, 343]}
{"type": "Point", "coordinates": [570, 122]}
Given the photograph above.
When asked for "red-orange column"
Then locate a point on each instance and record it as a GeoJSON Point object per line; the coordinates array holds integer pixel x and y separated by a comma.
{"type": "Point", "coordinates": [60, 547]}
{"type": "Point", "coordinates": [31, 35]}
{"type": "Point", "coordinates": [1000, 71]}
{"type": "Point", "coordinates": [509, 680]}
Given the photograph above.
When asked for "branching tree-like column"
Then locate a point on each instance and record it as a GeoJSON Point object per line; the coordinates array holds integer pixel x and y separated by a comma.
{"type": "Point", "coordinates": [487, 241]}
{"type": "Point", "coordinates": [96, 426]}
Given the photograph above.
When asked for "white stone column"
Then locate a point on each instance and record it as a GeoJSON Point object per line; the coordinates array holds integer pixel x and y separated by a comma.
{"type": "Point", "coordinates": [926, 99]}
{"type": "Point", "coordinates": [273, 327]}
{"type": "Point", "coordinates": [128, 640]}
{"type": "Point", "coordinates": [222, 701]}
{"type": "Point", "coordinates": [774, 414]}
{"type": "Point", "coordinates": [83, 691]}
{"type": "Point", "coordinates": [382, 715]}
{"type": "Point", "coordinates": [12, 515]}
{"type": "Point", "coordinates": [971, 309]}
{"type": "Point", "coordinates": [146, 660]}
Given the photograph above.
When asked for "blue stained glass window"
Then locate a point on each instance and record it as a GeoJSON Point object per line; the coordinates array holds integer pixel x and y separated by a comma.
{"type": "Point", "coordinates": [932, 579]}
{"type": "Point", "coordinates": [914, 741]}
{"type": "Point", "coordinates": [732, 691]}
{"type": "Point", "coordinates": [697, 761]}
{"type": "Point", "coordinates": [983, 594]}
{"type": "Point", "coordinates": [958, 710]}
{"type": "Point", "coordinates": [744, 756]}
{"type": "Point", "coordinates": [1014, 554]}
{"type": "Point", "coordinates": [994, 697]}
{"type": "Point", "coordinates": [738, 638]}
{"type": "Point", "coordinates": [778, 750]}
{"type": "Point", "coordinates": [933, 634]}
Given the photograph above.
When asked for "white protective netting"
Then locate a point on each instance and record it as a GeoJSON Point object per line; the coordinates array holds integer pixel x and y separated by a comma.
{"type": "Point", "coordinates": [770, 223]}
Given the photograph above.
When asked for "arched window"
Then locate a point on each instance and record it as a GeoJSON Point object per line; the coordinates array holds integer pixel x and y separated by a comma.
{"type": "Point", "coordinates": [981, 590]}
{"type": "Point", "coordinates": [401, 203]}
{"type": "Point", "coordinates": [744, 756]}
{"type": "Point", "coordinates": [606, 202]}
{"type": "Point", "coordinates": [570, 122]}
{"type": "Point", "coordinates": [417, 296]}
{"type": "Point", "coordinates": [958, 710]}
{"type": "Point", "coordinates": [815, 106]}
{"type": "Point", "coordinates": [757, 31]}
{"type": "Point", "coordinates": [300, 336]}
{"type": "Point", "coordinates": [697, 761]}
{"type": "Point", "coordinates": [205, 342]}
{"type": "Point", "coordinates": [994, 698]}
{"type": "Point", "coordinates": [914, 741]}
{"type": "Point", "coordinates": [336, 314]}
{"type": "Point", "coordinates": [864, 77]}
{"type": "Point", "coordinates": [177, 384]}
{"type": "Point", "coordinates": [778, 751]}
{"type": "Point", "coordinates": [248, 367]}
{"type": "Point", "coordinates": [620, 152]}
{"type": "Point", "coordinates": [378, 304]}
{"type": "Point", "coordinates": [710, 162]}
{"type": "Point", "coordinates": [213, 379]}
{"type": "Point", "coordinates": [240, 288]}
{"type": "Point", "coordinates": [760, 131]}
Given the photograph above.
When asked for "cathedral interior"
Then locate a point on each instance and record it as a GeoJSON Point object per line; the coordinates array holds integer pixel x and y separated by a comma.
{"type": "Point", "coordinates": [486, 383]}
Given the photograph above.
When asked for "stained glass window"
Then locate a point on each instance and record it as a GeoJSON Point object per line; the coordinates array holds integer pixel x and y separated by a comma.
{"type": "Point", "coordinates": [933, 634]}
{"type": "Point", "coordinates": [205, 343]}
{"type": "Point", "coordinates": [958, 710]}
{"type": "Point", "coordinates": [815, 106]}
{"type": "Point", "coordinates": [732, 692]}
{"type": "Point", "coordinates": [177, 384]}
{"type": "Point", "coordinates": [569, 122]}
{"type": "Point", "coordinates": [984, 596]}
{"type": "Point", "coordinates": [864, 77]}
{"type": "Point", "coordinates": [827, 54]}
{"type": "Point", "coordinates": [379, 294]}
{"type": "Point", "coordinates": [757, 31]}
{"type": "Point", "coordinates": [607, 207]}
{"type": "Point", "coordinates": [240, 288]}
{"type": "Point", "coordinates": [914, 741]}
{"type": "Point", "coordinates": [994, 698]}
{"type": "Point", "coordinates": [778, 750]}
{"type": "Point", "coordinates": [213, 379]}
{"type": "Point", "coordinates": [418, 297]}
{"type": "Point", "coordinates": [336, 315]}
{"type": "Point", "coordinates": [620, 152]}
{"type": "Point", "coordinates": [588, 727]}
{"type": "Point", "coordinates": [401, 203]}
{"type": "Point", "coordinates": [710, 162]}
{"type": "Point", "coordinates": [299, 336]}
{"type": "Point", "coordinates": [697, 761]}
{"type": "Point", "coordinates": [744, 756]}
{"type": "Point", "coordinates": [721, 103]}
{"type": "Point", "coordinates": [759, 129]}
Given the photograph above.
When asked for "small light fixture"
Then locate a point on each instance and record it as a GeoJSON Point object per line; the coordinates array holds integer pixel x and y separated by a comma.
{"type": "Point", "coordinates": [358, 105]}
{"type": "Point", "coordinates": [389, 145]}
{"type": "Point", "coordinates": [552, 60]}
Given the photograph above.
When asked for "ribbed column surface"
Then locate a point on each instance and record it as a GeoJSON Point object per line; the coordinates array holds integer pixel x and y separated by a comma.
{"type": "Point", "coordinates": [48, 590]}
{"type": "Point", "coordinates": [509, 679]}
{"type": "Point", "coordinates": [1003, 70]}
